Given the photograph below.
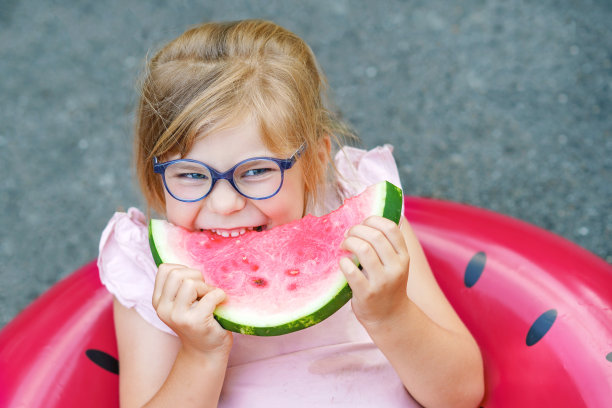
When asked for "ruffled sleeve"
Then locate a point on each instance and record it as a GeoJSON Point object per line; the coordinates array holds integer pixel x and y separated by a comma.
{"type": "Point", "coordinates": [126, 265]}
{"type": "Point", "coordinates": [360, 168]}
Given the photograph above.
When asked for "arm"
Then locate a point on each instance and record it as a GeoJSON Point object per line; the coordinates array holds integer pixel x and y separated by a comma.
{"type": "Point", "coordinates": [398, 301]}
{"type": "Point", "coordinates": [158, 369]}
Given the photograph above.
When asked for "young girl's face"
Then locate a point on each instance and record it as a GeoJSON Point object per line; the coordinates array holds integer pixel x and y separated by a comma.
{"type": "Point", "coordinates": [224, 209]}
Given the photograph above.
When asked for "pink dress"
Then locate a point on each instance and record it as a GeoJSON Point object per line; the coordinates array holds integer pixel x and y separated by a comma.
{"type": "Point", "coordinates": [334, 363]}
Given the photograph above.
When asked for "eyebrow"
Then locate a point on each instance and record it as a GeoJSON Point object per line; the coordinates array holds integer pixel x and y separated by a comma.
{"type": "Point", "coordinates": [265, 155]}
{"type": "Point", "coordinates": [189, 165]}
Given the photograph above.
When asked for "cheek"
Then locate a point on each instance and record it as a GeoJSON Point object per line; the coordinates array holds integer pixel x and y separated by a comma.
{"type": "Point", "coordinates": [290, 203]}
{"type": "Point", "coordinates": [179, 213]}
{"type": "Point", "coordinates": [281, 212]}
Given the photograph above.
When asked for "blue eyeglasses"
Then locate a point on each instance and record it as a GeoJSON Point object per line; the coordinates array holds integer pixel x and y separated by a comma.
{"type": "Point", "coordinates": [256, 178]}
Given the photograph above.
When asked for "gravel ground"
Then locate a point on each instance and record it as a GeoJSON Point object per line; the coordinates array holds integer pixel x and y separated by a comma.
{"type": "Point", "coordinates": [500, 104]}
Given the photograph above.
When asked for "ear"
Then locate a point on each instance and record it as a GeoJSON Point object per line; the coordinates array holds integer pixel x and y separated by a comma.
{"type": "Point", "coordinates": [324, 149]}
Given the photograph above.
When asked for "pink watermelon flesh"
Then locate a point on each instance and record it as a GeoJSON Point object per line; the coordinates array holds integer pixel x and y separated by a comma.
{"type": "Point", "coordinates": [279, 280]}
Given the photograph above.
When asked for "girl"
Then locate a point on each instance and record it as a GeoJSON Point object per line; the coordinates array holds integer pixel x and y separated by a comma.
{"type": "Point", "coordinates": [221, 94]}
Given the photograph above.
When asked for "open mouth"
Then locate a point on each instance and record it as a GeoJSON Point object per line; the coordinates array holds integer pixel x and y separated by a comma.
{"type": "Point", "coordinates": [236, 232]}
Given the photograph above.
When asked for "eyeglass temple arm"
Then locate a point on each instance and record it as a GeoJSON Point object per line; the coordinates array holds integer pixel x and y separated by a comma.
{"type": "Point", "coordinates": [157, 167]}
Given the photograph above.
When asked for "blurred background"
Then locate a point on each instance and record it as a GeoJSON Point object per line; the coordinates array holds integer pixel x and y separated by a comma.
{"type": "Point", "coordinates": [505, 105]}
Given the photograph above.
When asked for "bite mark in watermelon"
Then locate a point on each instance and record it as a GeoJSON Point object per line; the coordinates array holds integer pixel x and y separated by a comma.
{"type": "Point", "coordinates": [279, 280]}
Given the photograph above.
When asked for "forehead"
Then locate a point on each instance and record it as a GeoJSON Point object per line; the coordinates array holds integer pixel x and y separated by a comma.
{"type": "Point", "coordinates": [223, 148]}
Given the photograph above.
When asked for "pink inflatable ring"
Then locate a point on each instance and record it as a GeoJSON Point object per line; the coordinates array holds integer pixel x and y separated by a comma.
{"type": "Point", "coordinates": [539, 306]}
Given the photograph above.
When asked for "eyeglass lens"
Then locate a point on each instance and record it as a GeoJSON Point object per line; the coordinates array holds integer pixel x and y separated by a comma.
{"type": "Point", "coordinates": [254, 178]}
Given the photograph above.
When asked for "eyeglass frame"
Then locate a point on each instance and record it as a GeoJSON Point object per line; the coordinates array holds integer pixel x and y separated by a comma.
{"type": "Point", "coordinates": [283, 164]}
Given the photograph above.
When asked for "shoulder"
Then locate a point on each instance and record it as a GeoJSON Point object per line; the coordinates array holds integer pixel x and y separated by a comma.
{"type": "Point", "coordinates": [359, 168]}
{"type": "Point", "coordinates": [125, 227]}
{"type": "Point", "coordinates": [126, 265]}
{"type": "Point", "coordinates": [354, 170]}
{"type": "Point", "coordinates": [124, 257]}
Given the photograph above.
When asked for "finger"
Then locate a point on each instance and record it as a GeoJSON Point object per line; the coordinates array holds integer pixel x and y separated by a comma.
{"type": "Point", "coordinates": [367, 256]}
{"type": "Point", "coordinates": [390, 229]}
{"type": "Point", "coordinates": [378, 240]}
{"type": "Point", "coordinates": [190, 273]}
{"type": "Point", "coordinates": [207, 305]}
{"type": "Point", "coordinates": [396, 238]}
{"type": "Point", "coordinates": [174, 280]}
{"type": "Point", "coordinates": [160, 280]}
{"type": "Point", "coordinates": [188, 293]}
{"type": "Point", "coordinates": [355, 278]}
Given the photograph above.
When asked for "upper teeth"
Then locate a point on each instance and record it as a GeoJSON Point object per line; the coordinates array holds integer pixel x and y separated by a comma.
{"type": "Point", "coordinates": [231, 233]}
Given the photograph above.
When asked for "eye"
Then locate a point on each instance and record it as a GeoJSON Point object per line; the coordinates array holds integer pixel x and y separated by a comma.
{"type": "Point", "coordinates": [193, 176]}
{"type": "Point", "coordinates": [256, 172]}
{"type": "Point", "coordinates": [187, 172]}
{"type": "Point", "coordinates": [259, 174]}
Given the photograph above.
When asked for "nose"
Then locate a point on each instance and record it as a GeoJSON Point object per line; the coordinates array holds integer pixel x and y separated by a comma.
{"type": "Point", "coordinates": [224, 199]}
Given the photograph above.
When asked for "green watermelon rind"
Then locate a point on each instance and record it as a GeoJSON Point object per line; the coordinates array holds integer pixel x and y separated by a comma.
{"type": "Point", "coordinates": [389, 205]}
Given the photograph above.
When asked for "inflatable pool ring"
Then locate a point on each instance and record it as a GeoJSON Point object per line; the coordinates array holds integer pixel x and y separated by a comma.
{"type": "Point", "coordinates": [539, 306]}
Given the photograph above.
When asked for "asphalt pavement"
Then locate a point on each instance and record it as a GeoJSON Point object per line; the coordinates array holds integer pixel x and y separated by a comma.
{"type": "Point", "coordinates": [505, 105]}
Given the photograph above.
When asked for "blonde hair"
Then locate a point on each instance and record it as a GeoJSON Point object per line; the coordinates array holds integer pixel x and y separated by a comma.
{"type": "Point", "coordinates": [217, 74]}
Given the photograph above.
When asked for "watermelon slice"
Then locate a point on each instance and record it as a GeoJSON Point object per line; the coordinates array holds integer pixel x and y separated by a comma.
{"type": "Point", "coordinates": [279, 280]}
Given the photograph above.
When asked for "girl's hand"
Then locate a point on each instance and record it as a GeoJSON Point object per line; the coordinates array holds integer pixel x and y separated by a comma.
{"type": "Point", "coordinates": [379, 289]}
{"type": "Point", "coordinates": [186, 303]}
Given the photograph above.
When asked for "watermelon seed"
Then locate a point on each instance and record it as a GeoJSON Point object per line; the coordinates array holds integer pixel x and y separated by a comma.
{"type": "Point", "coordinates": [292, 272]}
{"type": "Point", "coordinates": [261, 282]}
